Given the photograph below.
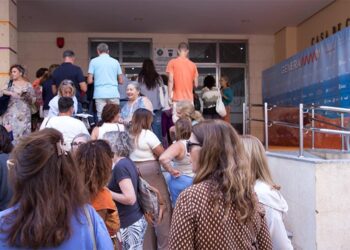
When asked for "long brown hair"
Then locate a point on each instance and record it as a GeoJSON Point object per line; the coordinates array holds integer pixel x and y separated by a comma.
{"type": "Point", "coordinates": [258, 162]}
{"type": "Point", "coordinates": [141, 119]}
{"type": "Point", "coordinates": [223, 161]}
{"type": "Point", "coordinates": [48, 191]}
{"type": "Point", "coordinates": [109, 112]}
{"type": "Point", "coordinates": [148, 75]}
{"type": "Point", "coordinates": [94, 159]}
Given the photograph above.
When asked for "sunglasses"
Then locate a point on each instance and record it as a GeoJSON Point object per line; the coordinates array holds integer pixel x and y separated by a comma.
{"type": "Point", "coordinates": [190, 144]}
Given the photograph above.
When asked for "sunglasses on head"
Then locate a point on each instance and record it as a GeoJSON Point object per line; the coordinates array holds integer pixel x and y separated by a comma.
{"type": "Point", "coordinates": [77, 144]}
{"type": "Point", "coordinates": [190, 144]}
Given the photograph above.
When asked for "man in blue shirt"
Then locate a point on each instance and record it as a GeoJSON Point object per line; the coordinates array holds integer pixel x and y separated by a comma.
{"type": "Point", "coordinates": [67, 70]}
{"type": "Point", "coordinates": [105, 72]}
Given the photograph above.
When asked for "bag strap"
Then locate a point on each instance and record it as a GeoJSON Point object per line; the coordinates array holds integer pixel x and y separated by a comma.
{"type": "Point", "coordinates": [9, 85]}
{"type": "Point", "coordinates": [91, 227]}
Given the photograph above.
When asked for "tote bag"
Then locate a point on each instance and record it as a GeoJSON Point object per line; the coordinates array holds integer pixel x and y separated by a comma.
{"type": "Point", "coordinates": [220, 107]}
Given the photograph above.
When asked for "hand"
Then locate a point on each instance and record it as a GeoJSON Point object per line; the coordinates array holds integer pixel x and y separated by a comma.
{"type": "Point", "coordinates": [14, 95]}
{"type": "Point", "coordinates": [170, 102]}
{"type": "Point", "coordinates": [26, 97]}
{"type": "Point", "coordinates": [175, 173]}
{"type": "Point", "coordinates": [8, 127]}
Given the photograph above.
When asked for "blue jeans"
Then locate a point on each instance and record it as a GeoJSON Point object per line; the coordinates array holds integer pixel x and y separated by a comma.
{"type": "Point", "coordinates": [177, 185]}
{"type": "Point", "coordinates": [157, 124]}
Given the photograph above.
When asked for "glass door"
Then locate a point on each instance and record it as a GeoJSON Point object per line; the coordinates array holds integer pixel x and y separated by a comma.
{"type": "Point", "coordinates": [237, 79]}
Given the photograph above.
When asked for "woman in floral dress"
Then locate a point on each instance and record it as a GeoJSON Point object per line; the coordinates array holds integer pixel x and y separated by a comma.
{"type": "Point", "coordinates": [22, 97]}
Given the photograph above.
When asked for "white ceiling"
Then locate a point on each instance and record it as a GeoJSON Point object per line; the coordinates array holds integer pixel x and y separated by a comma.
{"type": "Point", "coordinates": [165, 16]}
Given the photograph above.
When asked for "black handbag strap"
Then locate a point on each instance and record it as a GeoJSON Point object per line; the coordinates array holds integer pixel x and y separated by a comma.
{"type": "Point", "coordinates": [9, 85]}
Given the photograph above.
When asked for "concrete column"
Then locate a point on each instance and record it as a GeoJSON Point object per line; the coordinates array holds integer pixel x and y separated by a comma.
{"type": "Point", "coordinates": [286, 43]}
{"type": "Point", "coordinates": [8, 37]}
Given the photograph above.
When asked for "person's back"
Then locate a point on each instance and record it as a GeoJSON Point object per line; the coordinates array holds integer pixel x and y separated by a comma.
{"type": "Point", "coordinates": [184, 72]}
{"type": "Point", "coordinates": [109, 127]}
{"type": "Point", "coordinates": [213, 230]}
{"type": "Point", "coordinates": [67, 125]}
{"type": "Point", "coordinates": [50, 208]}
{"type": "Point", "coordinates": [81, 236]}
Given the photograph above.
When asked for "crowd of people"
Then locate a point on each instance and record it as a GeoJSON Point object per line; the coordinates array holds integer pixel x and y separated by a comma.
{"type": "Point", "coordinates": [65, 185]}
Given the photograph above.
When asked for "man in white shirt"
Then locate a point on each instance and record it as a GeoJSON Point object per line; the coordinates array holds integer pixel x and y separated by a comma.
{"type": "Point", "coordinates": [65, 123]}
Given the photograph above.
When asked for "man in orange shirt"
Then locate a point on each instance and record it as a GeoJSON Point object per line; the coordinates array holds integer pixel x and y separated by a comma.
{"type": "Point", "coordinates": [183, 76]}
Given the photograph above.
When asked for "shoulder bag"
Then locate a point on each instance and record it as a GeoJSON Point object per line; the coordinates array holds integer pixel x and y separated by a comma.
{"type": "Point", "coordinates": [220, 107]}
{"type": "Point", "coordinates": [151, 201]}
{"type": "Point", "coordinates": [5, 99]}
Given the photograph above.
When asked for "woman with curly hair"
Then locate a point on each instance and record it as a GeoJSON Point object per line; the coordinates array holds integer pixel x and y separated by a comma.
{"type": "Point", "coordinates": [94, 159]}
{"type": "Point", "coordinates": [220, 210]}
{"type": "Point", "coordinates": [49, 206]}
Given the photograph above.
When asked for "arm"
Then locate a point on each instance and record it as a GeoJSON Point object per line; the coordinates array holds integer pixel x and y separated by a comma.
{"type": "Point", "coordinates": [90, 78]}
{"type": "Point", "coordinates": [195, 82]}
{"type": "Point", "coordinates": [157, 151]}
{"type": "Point", "coordinates": [263, 237]}
{"type": "Point", "coordinates": [128, 196]}
{"type": "Point", "coordinates": [54, 89]}
{"type": "Point", "coordinates": [170, 87]}
{"type": "Point", "coordinates": [174, 151]}
{"type": "Point", "coordinates": [277, 229]}
{"type": "Point", "coordinates": [83, 86]}
{"type": "Point", "coordinates": [94, 133]}
{"type": "Point", "coordinates": [120, 79]}
{"type": "Point", "coordinates": [147, 103]}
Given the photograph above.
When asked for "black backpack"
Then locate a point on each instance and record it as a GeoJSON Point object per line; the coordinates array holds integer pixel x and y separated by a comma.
{"type": "Point", "coordinates": [4, 100]}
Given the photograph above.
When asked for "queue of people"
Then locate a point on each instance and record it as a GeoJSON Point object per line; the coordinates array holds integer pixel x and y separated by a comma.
{"type": "Point", "coordinates": [74, 189]}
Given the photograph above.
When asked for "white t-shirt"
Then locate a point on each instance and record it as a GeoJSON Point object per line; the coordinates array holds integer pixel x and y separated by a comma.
{"type": "Point", "coordinates": [146, 142]}
{"type": "Point", "coordinates": [68, 126]}
{"type": "Point", "coordinates": [53, 104]}
{"type": "Point", "coordinates": [109, 127]}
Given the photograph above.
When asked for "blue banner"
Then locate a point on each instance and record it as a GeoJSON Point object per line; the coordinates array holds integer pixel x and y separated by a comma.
{"type": "Point", "coordinates": [319, 74]}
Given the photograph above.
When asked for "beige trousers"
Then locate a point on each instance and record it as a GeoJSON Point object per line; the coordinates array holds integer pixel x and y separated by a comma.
{"type": "Point", "coordinates": [156, 236]}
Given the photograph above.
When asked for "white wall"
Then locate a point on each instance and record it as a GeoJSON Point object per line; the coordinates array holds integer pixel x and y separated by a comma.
{"type": "Point", "coordinates": [38, 49]}
{"type": "Point", "coordinates": [316, 191]}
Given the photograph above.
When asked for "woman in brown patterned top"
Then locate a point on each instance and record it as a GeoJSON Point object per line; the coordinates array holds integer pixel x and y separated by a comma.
{"type": "Point", "coordinates": [220, 211]}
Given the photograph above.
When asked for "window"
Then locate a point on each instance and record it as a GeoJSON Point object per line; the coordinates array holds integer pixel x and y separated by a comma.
{"type": "Point", "coordinates": [232, 52]}
{"type": "Point", "coordinates": [125, 51]}
{"type": "Point", "coordinates": [203, 52]}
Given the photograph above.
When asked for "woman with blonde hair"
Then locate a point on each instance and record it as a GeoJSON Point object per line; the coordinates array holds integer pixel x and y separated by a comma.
{"type": "Point", "coordinates": [185, 109]}
{"type": "Point", "coordinates": [267, 192]}
{"type": "Point", "coordinates": [220, 210]}
{"type": "Point", "coordinates": [66, 89]}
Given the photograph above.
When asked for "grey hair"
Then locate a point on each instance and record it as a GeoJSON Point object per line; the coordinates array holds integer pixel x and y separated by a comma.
{"type": "Point", "coordinates": [136, 85]}
{"type": "Point", "coordinates": [102, 48]}
{"type": "Point", "coordinates": [120, 142]}
{"type": "Point", "coordinates": [66, 82]}
{"type": "Point", "coordinates": [82, 135]}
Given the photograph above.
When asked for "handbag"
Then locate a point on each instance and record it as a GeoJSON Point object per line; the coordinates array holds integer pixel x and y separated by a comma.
{"type": "Point", "coordinates": [163, 96]}
{"type": "Point", "coordinates": [151, 201]}
{"type": "Point", "coordinates": [220, 107]}
{"type": "Point", "coordinates": [4, 100]}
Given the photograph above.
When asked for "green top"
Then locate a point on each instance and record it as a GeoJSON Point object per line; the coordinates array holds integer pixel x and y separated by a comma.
{"type": "Point", "coordinates": [227, 96]}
